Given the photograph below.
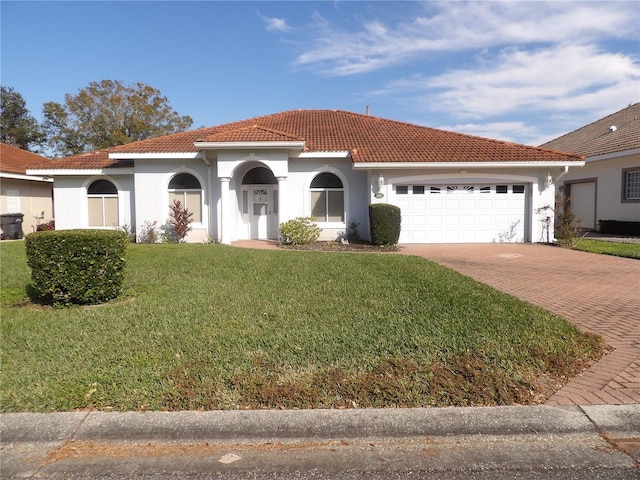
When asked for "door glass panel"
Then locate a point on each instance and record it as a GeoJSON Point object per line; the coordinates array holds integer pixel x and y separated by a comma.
{"type": "Point", "coordinates": [275, 201]}
{"type": "Point", "coordinates": [259, 209]}
{"type": "Point", "coordinates": [245, 201]}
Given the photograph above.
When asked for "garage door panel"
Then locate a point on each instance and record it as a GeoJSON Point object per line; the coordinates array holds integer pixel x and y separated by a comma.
{"type": "Point", "coordinates": [462, 213]}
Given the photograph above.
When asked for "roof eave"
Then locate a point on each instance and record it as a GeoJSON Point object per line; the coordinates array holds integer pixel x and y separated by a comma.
{"type": "Point", "coordinates": [436, 165]}
{"type": "Point", "coordinates": [81, 171]}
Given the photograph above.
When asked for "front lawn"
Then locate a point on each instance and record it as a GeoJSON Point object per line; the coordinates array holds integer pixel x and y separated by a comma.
{"type": "Point", "coordinates": [619, 249]}
{"type": "Point", "coordinates": [216, 327]}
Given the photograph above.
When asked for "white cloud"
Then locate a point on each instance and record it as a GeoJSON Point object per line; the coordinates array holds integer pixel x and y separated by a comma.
{"type": "Point", "coordinates": [275, 24]}
{"type": "Point", "coordinates": [514, 131]}
{"type": "Point", "coordinates": [561, 78]}
{"type": "Point", "coordinates": [461, 26]}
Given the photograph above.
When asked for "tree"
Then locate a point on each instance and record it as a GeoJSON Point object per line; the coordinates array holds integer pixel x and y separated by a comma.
{"type": "Point", "coordinates": [18, 127]}
{"type": "Point", "coordinates": [108, 113]}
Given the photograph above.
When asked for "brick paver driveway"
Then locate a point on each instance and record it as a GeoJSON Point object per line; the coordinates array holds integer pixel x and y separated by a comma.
{"type": "Point", "coordinates": [599, 293]}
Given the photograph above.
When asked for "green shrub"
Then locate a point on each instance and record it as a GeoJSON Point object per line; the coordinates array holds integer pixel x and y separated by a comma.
{"type": "Point", "coordinates": [299, 231]}
{"type": "Point", "coordinates": [619, 227]}
{"type": "Point", "coordinates": [77, 266]}
{"type": "Point", "coordinates": [384, 221]}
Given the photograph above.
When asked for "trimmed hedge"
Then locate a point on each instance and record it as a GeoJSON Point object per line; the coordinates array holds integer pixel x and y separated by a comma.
{"type": "Point", "coordinates": [384, 221]}
{"type": "Point", "coordinates": [619, 227]}
{"type": "Point", "coordinates": [80, 267]}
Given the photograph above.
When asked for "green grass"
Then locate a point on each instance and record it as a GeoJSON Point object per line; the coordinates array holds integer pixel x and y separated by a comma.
{"type": "Point", "coordinates": [619, 249]}
{"type": "Point", "coordinates": [215, 327]}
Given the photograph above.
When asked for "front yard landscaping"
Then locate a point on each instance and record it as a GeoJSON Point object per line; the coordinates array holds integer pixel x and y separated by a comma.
{"type": "Point", "coordinates": [217, 327]}
{"type": "Point", "coordinates": [619, 249]}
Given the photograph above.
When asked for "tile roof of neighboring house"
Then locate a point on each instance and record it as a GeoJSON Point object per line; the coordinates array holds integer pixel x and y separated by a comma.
{"type": "Point", "coordinates": [16, 160]}
{"type": "Point", "coordinates": [598, 138]}
{"type": "Point", "coordinates": [367, 138]}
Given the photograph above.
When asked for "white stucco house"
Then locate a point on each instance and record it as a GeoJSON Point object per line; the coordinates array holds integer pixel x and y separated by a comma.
{"type": "Point", "coordinates": [30, 195]}
{"type": "Point", "coordinates": [608, 186]}
{"type": "Point", "coordinates": [242, 179]}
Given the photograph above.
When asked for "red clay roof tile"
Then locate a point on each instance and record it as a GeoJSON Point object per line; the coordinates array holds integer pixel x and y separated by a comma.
{"type": "Point", "coordinates": [15, 160]}
{"type": "Point", "coordinates": [367, 138]}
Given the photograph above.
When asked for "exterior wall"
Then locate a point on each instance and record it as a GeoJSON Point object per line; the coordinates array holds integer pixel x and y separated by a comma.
{"type": "Point", "coordinates": [33, 200]}
{"type": "Point", "coordinates": [539, 202]}
{"type": "Point", "coordinates": [608, 177]}
{"type": "Point", "coordinates": [71, 206]}
{"type": "Point", "coordinates": [356, 201]}
{"type": "Point", "coordinates": [152, 196]}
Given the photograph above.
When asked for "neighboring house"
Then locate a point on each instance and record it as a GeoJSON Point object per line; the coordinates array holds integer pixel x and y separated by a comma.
{"type": "Point", "coordinates": [31, 195]}
{"type": "Point", "coordinates": [608, 186]}
{"type": "Point", "coordinates": [242, 179]}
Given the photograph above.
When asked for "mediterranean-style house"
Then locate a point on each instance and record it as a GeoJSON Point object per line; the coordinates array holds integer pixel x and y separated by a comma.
{"type": "Point", "coordinates": [608, 186]}
{"type": "Point", "coordinates": [30, 195]}
{"type": "Point", "coordinates": [241, 180]}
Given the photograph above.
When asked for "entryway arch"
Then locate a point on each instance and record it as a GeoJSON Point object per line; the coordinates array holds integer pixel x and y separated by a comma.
{"type": "Point", "coordinates": [259, 200]}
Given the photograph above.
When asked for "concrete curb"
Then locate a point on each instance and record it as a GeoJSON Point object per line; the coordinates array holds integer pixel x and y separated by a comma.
{"type": "Point", "coordinates": [238, 426]}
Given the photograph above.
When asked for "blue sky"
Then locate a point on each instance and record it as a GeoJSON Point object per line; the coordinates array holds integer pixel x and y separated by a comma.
{"type": "Point", "coordinates": [519, 71]}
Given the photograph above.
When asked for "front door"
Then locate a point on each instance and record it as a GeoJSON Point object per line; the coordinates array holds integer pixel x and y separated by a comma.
{"type": "Point", "coordinates": [264, 212]}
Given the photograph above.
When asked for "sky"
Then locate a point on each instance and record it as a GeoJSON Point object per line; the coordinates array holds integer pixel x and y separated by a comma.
{"type": "Point", "coordinates": [525, 72]}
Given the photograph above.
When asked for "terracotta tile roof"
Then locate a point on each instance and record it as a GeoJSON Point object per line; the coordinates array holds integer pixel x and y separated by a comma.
{"type": "Point", "coordinates": [597, 138]}
{"type": "Point", "coordinates": [367, 138]}
{"type": "Point", "coordinates": [85, 161]}
{"type": "Point", "coordinates": [254, 133]}
{"type": "Point", "coordinates": [15, 160]}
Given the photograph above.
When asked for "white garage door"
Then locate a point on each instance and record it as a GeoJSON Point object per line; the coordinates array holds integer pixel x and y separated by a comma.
{"type": "Point", "coordinates": [461, 213]}
{"type": "Point", "coordinates": [582, 198]}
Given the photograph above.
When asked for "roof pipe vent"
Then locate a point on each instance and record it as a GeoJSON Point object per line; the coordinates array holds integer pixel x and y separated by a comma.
{"type": "Point", "coordinates": [613, 128]}
{"type": "Point", "coordinates": [366, 110]}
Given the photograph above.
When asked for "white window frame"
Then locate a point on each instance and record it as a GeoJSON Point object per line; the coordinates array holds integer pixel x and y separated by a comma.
{"type": "Point", "coordinates": [325, 220]}
{"type": "Point", "coordinates": [102, 197]}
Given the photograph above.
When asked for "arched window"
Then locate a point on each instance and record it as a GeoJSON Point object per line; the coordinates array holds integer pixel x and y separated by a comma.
{"type": "Point", "coordinates": [327, 198]}
{"type": "Point", "coordinates": [102, 197]}
{"type": "Point", "coordinates": [186, 188]}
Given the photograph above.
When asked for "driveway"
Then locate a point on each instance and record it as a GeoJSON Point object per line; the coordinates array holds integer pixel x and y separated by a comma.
{"type": "Point", "coordinates": [599, 293]}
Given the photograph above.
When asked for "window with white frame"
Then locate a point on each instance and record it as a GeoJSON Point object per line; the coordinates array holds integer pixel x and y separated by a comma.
{"type": "Point", "coordinates": [186, 188]}
{"type": "Point", "coordinates": [631, 185]}
{"type": "Point", "coordinates": [327, 198]}
{"type": "Point", "coordinates": [102, 198]}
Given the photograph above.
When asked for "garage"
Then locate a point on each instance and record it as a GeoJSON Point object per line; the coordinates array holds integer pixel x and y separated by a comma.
{"type": "Point", "coordinates": [582, 198]}
{"type": "Point", "coordinates": [461, 213]}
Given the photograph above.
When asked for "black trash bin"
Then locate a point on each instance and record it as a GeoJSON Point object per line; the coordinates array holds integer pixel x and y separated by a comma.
{"type": "Point", "coordinates": [11, 224]}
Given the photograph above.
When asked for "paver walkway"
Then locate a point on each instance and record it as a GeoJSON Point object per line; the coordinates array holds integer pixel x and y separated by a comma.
{"type": "Point", "coordinates": [599, 293]}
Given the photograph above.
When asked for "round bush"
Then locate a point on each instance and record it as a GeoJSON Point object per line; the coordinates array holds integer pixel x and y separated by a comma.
{"type": "Point", "coordinates": [384, 221]}
{"type": "Point", "coordinates": [77, 266]}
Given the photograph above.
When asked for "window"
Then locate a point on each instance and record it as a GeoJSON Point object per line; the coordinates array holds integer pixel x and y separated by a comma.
{"type": "Point", "coordinates": [402, 190]}
{"type": "Point", "coordinates": [186, 188]}
{"type": "Point", "coordinates": [502, 188]}
{"type": "Point", "coordinates": [518, 189]}
{"type": "Point", "coordinates": [327, 198]}
{"type": "Point", "coordinates": [631, 185]}
{"type": "Point", "coordinates": [434, 189]}
{"type": "Point", "coordinates": [418, 189]}
{"type": "Point", "coordinates": [102, 196]}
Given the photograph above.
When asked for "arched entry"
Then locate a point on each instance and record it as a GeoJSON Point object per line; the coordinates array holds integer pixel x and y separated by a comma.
{"type": "Point", "coordinates": [260, 202]}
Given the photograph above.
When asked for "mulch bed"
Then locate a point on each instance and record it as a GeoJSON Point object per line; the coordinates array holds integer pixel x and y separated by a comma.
{"type": "Point", "coordinates": [341, 247]}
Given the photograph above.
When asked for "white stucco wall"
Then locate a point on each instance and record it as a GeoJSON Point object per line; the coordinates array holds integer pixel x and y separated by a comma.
{"type": "Point", "coordinates": [152, 177]}
{"type": "Point", "coordinates": [607, 173]}
{"type": "Point", "coordinates": [71, 206]}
